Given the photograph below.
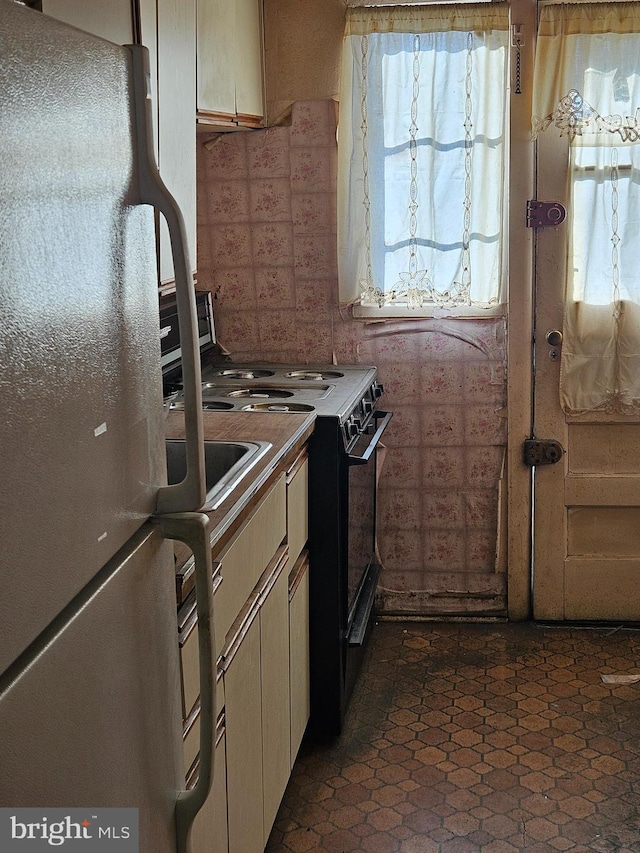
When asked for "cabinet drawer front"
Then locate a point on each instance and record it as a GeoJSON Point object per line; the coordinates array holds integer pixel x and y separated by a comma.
{"type": "Point", "coordinates": [247, 556]}
{"type": "Point", "coordinates": [297, 507]}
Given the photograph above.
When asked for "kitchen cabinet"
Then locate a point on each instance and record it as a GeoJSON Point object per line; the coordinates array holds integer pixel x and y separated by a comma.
{"type": "Point", "coordinates": [209, 833]}
{"type": "Point", "coordinates": [230, 77]}
{"type": "Point", "coordinates": [244, 739]}
{"type": "Point", "coordinates": [299, 676]}
{"type": "Point", "coordinates": [256, 675]}
{"type": "Point", "coordinates": [274, 670]}
{"type": "Point", "coordinates": [297, 505]}
{"type": "Point", "coordinates": [168, 30]}
{"type": "Point", "coordinates": [260, 603]}
{"type": "Point", "coordinates": [243, 560]}
{"type": "Point", "coordinates": [176, 102]}
{"type": "Point", "coordinates": [112, 21]}
{"type": "Point", "coordinates": [298, 595]}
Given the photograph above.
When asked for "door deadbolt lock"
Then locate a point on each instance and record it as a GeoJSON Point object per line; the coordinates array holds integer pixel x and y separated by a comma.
{"type": "Point", "coordinates": [542, 451]}
{"type": "Point", "coordinates": [545, 214]}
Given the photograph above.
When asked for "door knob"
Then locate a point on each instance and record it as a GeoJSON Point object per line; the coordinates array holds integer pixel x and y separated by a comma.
{"type": "Point", "coordinates": [554, 338]}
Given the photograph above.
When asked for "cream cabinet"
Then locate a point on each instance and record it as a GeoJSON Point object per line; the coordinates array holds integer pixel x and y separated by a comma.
{"type": "Point", "coordinates": [209, 833]}
{"type": "Point", "coordinates": [298, 594]}
{"type": "Point", "coordinates": [274, 671]}
{"type": "Point", "coordinates": [299, 683]}
{"type": "Point", "coordinates": [261, 624]}
{"type": "Point", "coordinates": [175, 90]}
{"type": "Point", "coordinates": [297, 505]}
{"type": "Point", "coordinates": [256, 684]}
{"type": "Point", "coordinates": [230, 77]}
{"type": "Point", "coordinates": [167, 28]}
{"type": "Point", "coordinates": [113, 21]}
{"type": "Point", "coordinates": [244, 740]}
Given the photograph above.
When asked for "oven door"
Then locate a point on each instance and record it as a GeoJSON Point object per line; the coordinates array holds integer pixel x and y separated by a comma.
{"type": "Point", "coordinates": [362, 567]}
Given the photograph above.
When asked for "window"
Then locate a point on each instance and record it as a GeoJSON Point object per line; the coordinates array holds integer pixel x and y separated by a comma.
{"type": "Point", "coordinates": [422, 159]}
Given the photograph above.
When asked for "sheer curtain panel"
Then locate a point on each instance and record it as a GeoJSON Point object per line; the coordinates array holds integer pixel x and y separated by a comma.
{"type": "Point", "coordinates": [422, 158]}
{"type": "Point", "coordinates": [587, 91]}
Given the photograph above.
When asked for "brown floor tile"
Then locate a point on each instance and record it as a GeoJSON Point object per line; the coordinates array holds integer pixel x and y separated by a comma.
{"type": "Point", "coordinates": [477, 738]}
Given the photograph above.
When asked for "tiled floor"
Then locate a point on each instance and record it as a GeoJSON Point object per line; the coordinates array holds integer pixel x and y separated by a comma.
{"type": "Point", "coordinates": [477, 738]}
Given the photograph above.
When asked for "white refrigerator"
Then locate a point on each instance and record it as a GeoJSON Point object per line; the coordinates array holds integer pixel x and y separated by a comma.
{"type": "Point", "coordinates": [90, 710]}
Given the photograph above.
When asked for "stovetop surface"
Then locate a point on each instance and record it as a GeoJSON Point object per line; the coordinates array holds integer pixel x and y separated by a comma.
{"type": "Point", "coordinates": [329, 390]}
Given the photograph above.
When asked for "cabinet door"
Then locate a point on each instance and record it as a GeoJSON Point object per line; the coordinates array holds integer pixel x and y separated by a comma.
{"type": "Point", "coordinates": [274, 654]}
{"type": "Point", "coordinates": [244, 744]}
{"type": "Point", "coordinates": [230, 62]}
{"type": "Point", "coordinates": [112, 21]}
{"type": "Point", "coordinates": [249, 62]}
{"type": "Point", "coordinates": [299, 651]}
{"type": "Point", "coordinates": [216, 57]}
{"type": "Point", "coordinates": [93, 716]}
{"type": "Point", "coordinates": [176, 110]}
{"type": "Point", "coordinates": [209, 833]}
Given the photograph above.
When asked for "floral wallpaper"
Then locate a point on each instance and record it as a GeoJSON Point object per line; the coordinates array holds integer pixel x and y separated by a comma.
{"type": "Point", "coordinates": [266, 249]}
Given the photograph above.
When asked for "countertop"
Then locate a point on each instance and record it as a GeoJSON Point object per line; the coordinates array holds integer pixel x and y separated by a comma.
{"type": "Point", "coordinates": [286, 432]}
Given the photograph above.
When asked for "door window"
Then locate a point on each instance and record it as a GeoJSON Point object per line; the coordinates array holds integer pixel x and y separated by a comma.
{"type": "Point", "coordinates": [587, 90]}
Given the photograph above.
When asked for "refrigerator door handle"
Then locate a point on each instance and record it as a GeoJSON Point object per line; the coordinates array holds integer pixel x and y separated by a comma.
{"type": "Point", "coordinates": [190, 493]}
{"type": "Point", "coordinates": [193, 529]}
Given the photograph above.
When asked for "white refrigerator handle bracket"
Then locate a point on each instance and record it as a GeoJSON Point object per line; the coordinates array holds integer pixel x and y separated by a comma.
{"type": "Point", "coordinates": [190, 493]}
{"type": "Point", "coordinates": [193, 529]}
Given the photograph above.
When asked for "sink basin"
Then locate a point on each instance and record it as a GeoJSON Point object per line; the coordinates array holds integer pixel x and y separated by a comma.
{"type": "Point", "coordinates": [225, 464]}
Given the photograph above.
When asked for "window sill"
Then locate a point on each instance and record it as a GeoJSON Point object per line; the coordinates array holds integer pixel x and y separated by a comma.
{"type": "Point", "coordinates": [397, 312]}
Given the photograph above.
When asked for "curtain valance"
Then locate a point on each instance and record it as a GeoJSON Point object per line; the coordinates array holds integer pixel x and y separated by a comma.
{"type": "Point", "coordinates": [586, 76]}
{"type": "Point", "coordinates": [473, 17]}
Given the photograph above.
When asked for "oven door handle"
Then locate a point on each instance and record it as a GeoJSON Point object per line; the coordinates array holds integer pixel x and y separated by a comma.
{"type": "Point", "coordinates": [375, 438]}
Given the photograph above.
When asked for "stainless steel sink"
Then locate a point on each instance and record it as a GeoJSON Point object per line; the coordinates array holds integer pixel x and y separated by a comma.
{"type": "Point", "coordinates": [225, 463]}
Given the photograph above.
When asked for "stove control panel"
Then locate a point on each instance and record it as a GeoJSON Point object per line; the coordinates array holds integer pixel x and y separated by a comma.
{"type": "Point", "coordinates": [361, 418]}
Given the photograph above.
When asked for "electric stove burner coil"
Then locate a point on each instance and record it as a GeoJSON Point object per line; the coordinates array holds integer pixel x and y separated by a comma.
{"type": "Point", "coordinates": [278, 407]}
{"type": "Point", "coordinates": [259, 393]}
{"type": "Point", "coordinates": [208, 405]}
{"type": "Point", "coordinates": [315, 375]}
{"type": "Point", "coordinates": [249, 373]}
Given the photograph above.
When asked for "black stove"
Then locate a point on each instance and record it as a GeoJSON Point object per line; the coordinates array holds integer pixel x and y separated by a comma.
{"type": "Point", "coordinates": [343, 459]}
{"type": "Point", "coordinates": [343, 570]}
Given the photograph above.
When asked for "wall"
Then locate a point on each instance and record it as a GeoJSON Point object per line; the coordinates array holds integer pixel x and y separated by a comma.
{"type": "Point", "coordinates": [266, 249]}
{"type": "Point", "coordinates": [303, 42]}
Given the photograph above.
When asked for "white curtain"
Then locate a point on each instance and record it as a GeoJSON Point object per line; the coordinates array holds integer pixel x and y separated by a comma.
{"type": "Point", "coordinates": [587, 90]}
{"type": "Point", "coordinates": [422, 156]}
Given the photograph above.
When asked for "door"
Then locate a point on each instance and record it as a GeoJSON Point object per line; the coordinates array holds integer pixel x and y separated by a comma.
{"type": "Point", "coordinates": [587, 505]}
{"type": "Point", "coordinates": [81, 432]}
{"type": "Point", "coordinates": [90, 715]}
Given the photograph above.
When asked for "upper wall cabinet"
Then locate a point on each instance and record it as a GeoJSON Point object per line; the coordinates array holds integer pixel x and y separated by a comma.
{"type": "Point", "coordinates": [112, 21]}
{"type": "Point", "coordinates": [230, 78]}
{"type": "Point", "coordinates": [167, 28]}
{"type": "Point", "coordinates": [171, 26]}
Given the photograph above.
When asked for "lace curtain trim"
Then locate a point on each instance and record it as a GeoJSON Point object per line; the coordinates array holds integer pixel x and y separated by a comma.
{"type": "Point", "coordinates": [575, 116]}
